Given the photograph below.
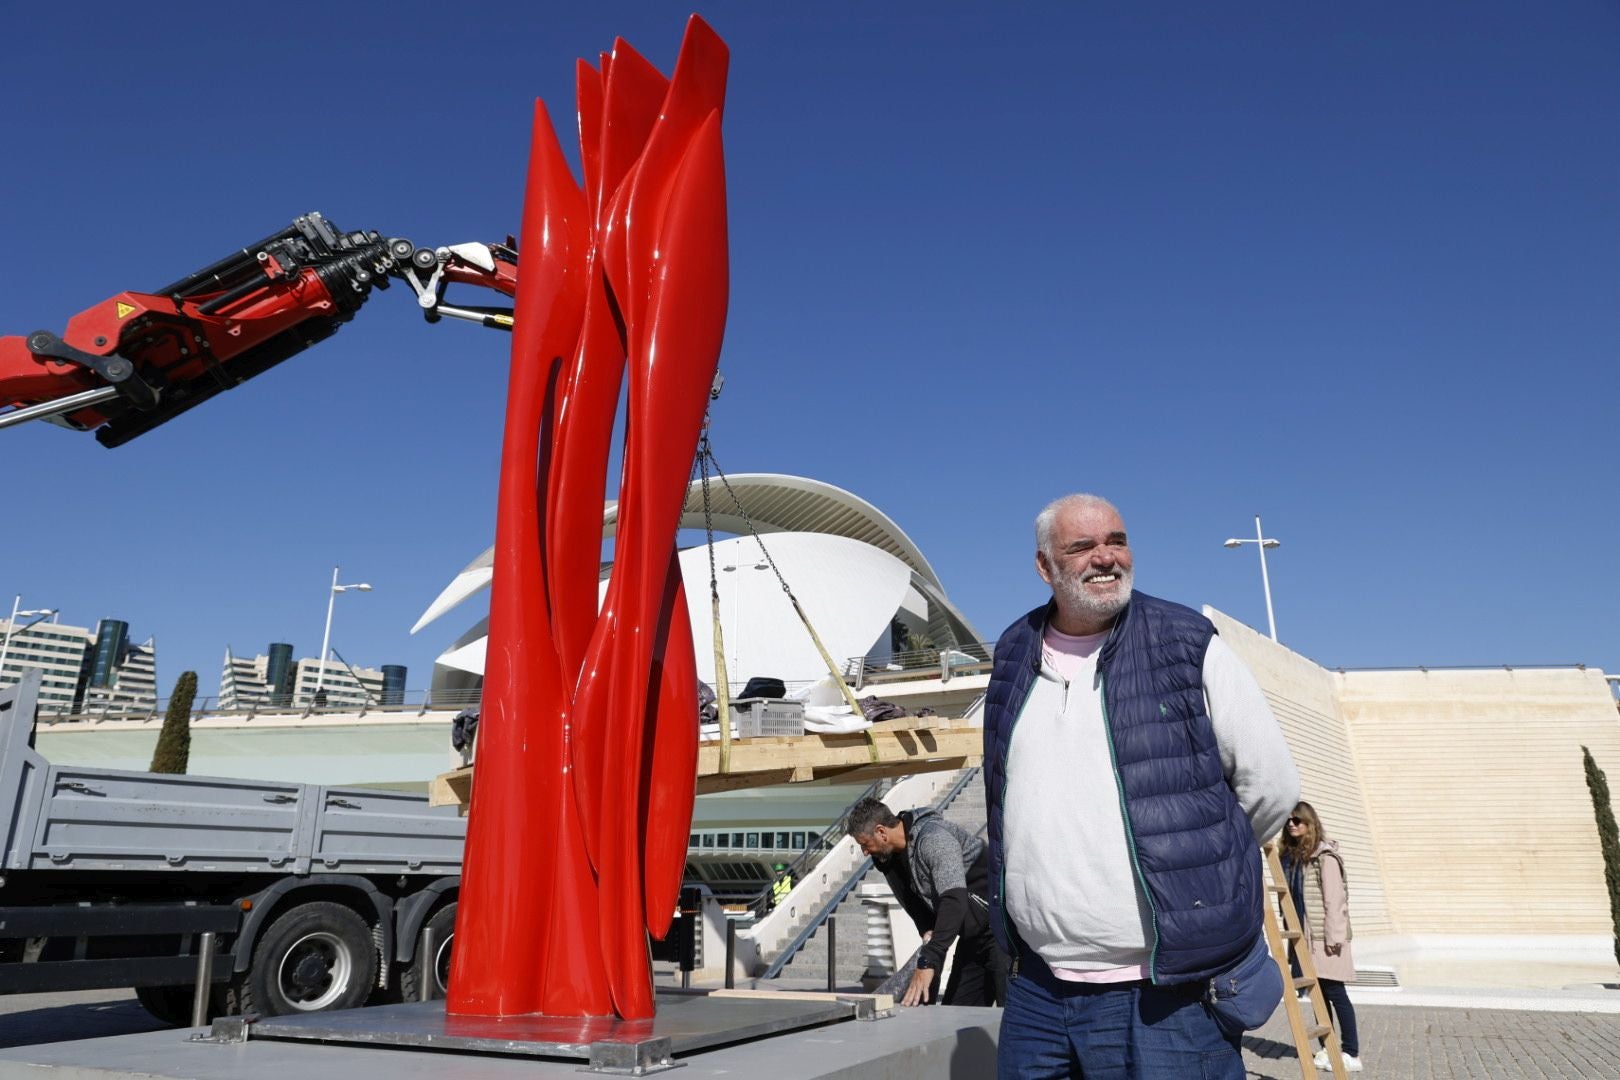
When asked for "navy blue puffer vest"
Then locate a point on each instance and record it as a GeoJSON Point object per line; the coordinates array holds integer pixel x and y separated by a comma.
{"type": "Point", "coordinates": [1192, 845]}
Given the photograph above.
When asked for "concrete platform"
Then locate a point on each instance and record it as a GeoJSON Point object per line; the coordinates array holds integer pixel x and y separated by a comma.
{"type": "Point", "coordinates": [913, 1044]}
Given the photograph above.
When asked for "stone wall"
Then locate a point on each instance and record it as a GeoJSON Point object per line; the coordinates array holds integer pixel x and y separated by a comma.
{"type": "Point", "coordinates": [1475, 780]}
{"type": "Point", "coordinates": [1302, 695]}
{"type": "Point", "coordinates": [1457, 796]}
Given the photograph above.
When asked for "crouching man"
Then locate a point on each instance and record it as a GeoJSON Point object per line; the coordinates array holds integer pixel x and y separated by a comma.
{"type": "Point", "coordinates": [940, 873]}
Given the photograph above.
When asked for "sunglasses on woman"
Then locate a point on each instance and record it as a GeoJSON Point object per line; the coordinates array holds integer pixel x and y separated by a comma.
{"type": "Point", "coordinates": [1296, 821]}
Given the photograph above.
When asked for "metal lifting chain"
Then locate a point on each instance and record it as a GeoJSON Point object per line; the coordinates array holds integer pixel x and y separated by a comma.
{"type": "Point", "coordinates": [707, 459]}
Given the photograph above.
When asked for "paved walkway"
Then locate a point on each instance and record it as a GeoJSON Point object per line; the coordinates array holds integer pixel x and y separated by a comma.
{"type": "Point", "coordinates": [1425, 1042]}
{"type": "Point", "coordinates": [1570, 1036]}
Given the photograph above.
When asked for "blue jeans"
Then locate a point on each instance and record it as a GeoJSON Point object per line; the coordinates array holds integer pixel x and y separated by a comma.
{"type": "Point", "coordinates": [1103, 1031]}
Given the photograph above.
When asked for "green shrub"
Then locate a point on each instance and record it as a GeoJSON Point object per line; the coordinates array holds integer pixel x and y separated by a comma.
{"type": "Point", "coordinates": [173, 751]}
{"type": "Point", "coordinates": [1608, 839]}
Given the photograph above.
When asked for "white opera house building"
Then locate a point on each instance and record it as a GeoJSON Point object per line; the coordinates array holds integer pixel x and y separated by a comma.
{"type": "Point", "coordinates": [863, 584]}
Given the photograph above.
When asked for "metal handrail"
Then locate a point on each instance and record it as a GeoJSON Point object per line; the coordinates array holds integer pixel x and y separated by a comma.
{"type": "Point", "coordinates": [967, 658]}
{"type": "Point", "coordinates": [909, 664]}
{"type": "Point", "coordinates": [940, 805]}
{"type": "Point", "coordinates": [859, 669]}
{"type": "Point", "coordinates": [1464, 667]}
{"type": "Point", "coordinates": [417, 701]}
{"type": "Point", "coordinates": [918, 658]}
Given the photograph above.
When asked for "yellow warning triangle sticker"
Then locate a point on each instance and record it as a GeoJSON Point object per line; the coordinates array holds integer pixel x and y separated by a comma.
{"type": "Point", "coordinates": [124, 309]}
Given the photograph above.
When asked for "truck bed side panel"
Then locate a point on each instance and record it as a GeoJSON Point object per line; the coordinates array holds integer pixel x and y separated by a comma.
{"type": "Point", "coordinates": [364, 830]}
{"type": "Point", "coordinates": [102, 819]}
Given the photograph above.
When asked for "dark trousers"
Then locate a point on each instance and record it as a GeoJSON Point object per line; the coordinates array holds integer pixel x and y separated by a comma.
{"type": "Point", "coordinates": [1343, 1014]}
{"type": "Point", "coordinates": [978, 973]}
{"type": "Point", "coordinates": [1340, 1011]}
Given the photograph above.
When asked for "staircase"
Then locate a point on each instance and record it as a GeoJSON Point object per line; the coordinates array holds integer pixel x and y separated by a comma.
{"type": "Point", "coordinates": [968, 809]}
{"type": "Point", "coordinates": [810, 962]}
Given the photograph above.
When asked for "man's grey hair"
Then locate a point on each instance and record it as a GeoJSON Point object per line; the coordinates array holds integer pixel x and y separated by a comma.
{"type": "Point", "coordinates": [1046, 520]}
{"type": "Point", "coordinates": [866, 815]}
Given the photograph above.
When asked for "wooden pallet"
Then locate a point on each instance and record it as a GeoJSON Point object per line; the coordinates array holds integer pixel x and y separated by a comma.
{"type": "Point", "coordinates": [896, 748]}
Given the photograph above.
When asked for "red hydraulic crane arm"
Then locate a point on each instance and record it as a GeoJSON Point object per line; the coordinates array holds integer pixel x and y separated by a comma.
{"type": "Point", "coordinates": [137, 360]}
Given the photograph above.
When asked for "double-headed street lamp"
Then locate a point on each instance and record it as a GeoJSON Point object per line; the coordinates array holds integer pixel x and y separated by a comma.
{"type": "Point", "coordinates": [11, 627]}
{"type": "Point", "coordinates": [326, 639]}
{"type": "Point", "coordinates": [1264, 542]}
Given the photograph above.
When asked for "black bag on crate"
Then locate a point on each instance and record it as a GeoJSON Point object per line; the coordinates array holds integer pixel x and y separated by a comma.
{"type": "Point", "coordinates": [764, 686]}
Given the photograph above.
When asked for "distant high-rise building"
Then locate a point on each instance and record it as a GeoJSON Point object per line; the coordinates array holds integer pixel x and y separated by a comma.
{"type": "Point", "coordinates": [81, 669]}
{"type": "Point", "coordinates": [56, 651]}
{"type": "Point", "coordinates": [242, 683]}
{"type": "Point", "coordinates": [277, 679]}
{"type": "Point", "coordinates": [341, 685]}
{"type": "Point", "coordinates": [393, 685]}
{"type": "Point", "coordinates": [133, 685]}
{"type": "Point", "coordinates": [279, 672]}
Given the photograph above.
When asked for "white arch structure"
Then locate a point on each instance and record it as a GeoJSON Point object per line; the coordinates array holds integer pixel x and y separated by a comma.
{"type": "Point", "coordinates": [853, 569]}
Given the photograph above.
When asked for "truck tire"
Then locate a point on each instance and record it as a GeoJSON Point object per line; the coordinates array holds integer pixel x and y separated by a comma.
{"type": "Point", "coordinates": [443, 925]}
{"type": "Point", "coordinates": [170, 1004]}
{"type": "Point", "coordinates": [316, 956]}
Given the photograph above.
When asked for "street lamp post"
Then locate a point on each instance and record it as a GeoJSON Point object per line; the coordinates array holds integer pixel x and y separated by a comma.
{"type": "Point", "coordinates": [1264, 542]}
{"type": "Point", "coordinates": [11, 625]}
{"type": "Point", "coordinates": [326, 638]}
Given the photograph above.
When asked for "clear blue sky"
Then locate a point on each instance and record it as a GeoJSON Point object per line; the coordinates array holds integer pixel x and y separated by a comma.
{"type": "Point", "coordinates": [1350, 267]}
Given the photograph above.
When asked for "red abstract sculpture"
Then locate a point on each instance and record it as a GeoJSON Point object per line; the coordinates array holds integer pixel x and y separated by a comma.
{"type": "Point", "coordinates": [587, 756]}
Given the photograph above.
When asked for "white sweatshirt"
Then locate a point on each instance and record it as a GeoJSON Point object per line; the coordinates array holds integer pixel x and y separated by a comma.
{"type": "Point", "coordinates": [1071, 888]}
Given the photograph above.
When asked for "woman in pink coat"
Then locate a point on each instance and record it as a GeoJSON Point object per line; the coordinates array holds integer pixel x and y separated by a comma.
{"type": "Point", "coordinates": [1321, 892]}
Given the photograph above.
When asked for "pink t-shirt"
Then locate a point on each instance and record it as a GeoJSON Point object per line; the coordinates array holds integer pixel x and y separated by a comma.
{"type": "Point", "coordinates": [1074, 658]}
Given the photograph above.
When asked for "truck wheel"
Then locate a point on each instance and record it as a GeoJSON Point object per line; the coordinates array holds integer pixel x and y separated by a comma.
{"type": "Point", "coordinates": [316, 956]}
{"type": "Point", "coordinates": [443, 925]}
{"type": "Point", "coordinates": [170, 1004]}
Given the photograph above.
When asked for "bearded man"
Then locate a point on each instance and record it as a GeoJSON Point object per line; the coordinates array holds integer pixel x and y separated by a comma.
{"type": "Point", "coordinates": [1132, 766]}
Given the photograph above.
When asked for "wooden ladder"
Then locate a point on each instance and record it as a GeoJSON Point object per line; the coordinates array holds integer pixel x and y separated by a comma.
{"type": "Point", "coordinates": [1305, 1034]}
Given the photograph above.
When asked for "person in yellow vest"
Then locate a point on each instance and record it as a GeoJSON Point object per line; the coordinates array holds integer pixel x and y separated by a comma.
{"type": "Point", "coordinates": [782, 886]}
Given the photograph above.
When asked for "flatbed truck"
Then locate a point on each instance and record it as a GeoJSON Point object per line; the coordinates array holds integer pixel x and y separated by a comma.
{"type": "Point", "coordinates": [316, 897]}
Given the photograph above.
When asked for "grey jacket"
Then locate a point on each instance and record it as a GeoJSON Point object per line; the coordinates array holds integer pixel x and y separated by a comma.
{"type": "Point", "coordinates": [941, 879]}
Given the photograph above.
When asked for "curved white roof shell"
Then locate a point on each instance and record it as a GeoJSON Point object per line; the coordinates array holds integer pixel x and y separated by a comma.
{"type": "Point", "coordinates": [851, 567]}
{"type": "Point", "coordinates": [856, 591]}
{"type": "Point", "coordinates": [774, 502]}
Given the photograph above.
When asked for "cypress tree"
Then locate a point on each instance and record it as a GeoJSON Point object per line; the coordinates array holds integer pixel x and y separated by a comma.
{"type": "Point", "coordinates": [1608, 838]}
{"type": "Point", "coordinates": [173, 750]}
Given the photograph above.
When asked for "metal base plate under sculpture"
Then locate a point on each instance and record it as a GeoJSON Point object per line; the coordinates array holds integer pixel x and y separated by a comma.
{"type": "Point", "coordinates": [915, 1044]}
{"type": "Point", "coordinates": [686, 1023]}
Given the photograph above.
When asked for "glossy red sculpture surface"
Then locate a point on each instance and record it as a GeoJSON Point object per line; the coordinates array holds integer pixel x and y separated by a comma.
{"type": "Point", "coordinates": [587, 745]}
